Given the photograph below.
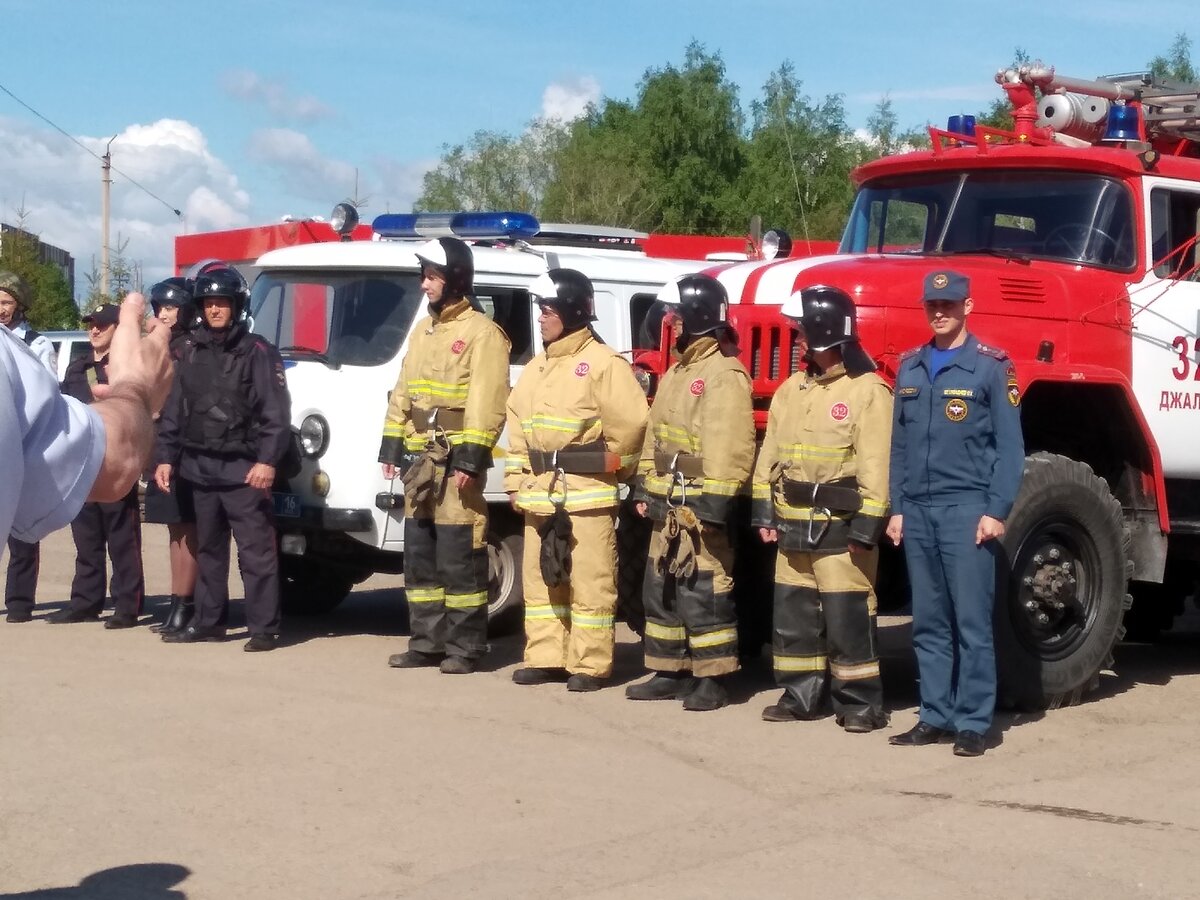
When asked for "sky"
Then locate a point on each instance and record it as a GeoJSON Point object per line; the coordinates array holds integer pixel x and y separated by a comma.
{"type": "Point", "coordinates": [239, 113]}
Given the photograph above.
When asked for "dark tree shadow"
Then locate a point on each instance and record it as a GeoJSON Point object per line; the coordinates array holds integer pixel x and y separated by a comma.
{"type": "Point", "coordinates": [142, 881]}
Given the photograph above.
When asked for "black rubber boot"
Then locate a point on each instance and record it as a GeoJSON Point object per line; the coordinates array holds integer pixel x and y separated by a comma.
{"type": "Point", "coordinates": [663, 686]}
{"type": "Point", "coordinates": [709, 694]}
{"type": "Point", "coordinates": [178, 616]}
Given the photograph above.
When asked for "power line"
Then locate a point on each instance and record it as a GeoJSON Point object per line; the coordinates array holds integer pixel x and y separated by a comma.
{"type": "Point", "coordinates": [90, 151]}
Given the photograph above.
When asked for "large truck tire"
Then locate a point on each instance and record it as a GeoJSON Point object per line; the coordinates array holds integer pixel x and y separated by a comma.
{"type": "Point", "coordinates": [506, 592]}
{"type": "Point", "coordinates": [309, 589]}
{"type": "Point", "coordinates": [1062, 585]}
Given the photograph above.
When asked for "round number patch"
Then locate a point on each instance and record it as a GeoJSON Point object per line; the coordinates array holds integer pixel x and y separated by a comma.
{"type": "Point", "coordinates": [458, 346]}
{"type": "Point", "coordinates": [956, 410]}
{"type": "Point", "coordinates": [697, 387]}
{"type": "Point", "coordinates": [839, 411]}
{"type": "Point", "coordinates": [582, 369]}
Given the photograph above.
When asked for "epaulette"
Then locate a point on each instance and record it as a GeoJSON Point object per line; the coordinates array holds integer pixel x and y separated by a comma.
{"type": "Point", "coordinates": [993, 352]}
{"type": "Point", "coordinates": [909, 354]}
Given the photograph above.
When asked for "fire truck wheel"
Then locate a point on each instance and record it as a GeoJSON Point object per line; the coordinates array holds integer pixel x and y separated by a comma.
{"type": "Point", "coordinates": [307, 589]}
{"type": "Point", "coordinates": [506, 595]}
{"type": "Point", "coordinates": [633, 545]}
{"type": "Point", "coordinates": [1062, 585]}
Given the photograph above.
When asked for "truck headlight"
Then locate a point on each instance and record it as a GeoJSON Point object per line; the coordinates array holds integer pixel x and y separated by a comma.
{"type": "Point", "coordinates": [314, 436]}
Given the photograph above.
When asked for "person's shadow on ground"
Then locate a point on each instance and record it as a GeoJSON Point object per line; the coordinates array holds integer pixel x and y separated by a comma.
{"type": "Point", "coordinates": [143, 881]}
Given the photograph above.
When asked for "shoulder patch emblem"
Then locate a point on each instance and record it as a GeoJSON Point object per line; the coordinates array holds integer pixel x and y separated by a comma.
{"type": "Point", "coordinates": [458, 346]}
{"type": "Point", "coordinates": [1014, 392]}
{"type": "Point", "coordinates": [956, 410]}
{"type": "Point", "coordinates": [839, 412]}
{"type": "Point", "coordinates": [582, 369]}
{"type": "Point", "coordinates": [697, 387]}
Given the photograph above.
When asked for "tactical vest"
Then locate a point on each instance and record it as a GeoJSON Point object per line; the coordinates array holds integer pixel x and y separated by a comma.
{"type": "Point", "coordinates": [217, 415]}
{"type": "Point", "coordinates": [30, 336]}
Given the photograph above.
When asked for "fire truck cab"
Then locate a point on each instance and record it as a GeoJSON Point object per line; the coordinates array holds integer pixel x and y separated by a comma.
{"type": "Point", "coordinates": [341, 313]}
{"type": "Point", "coordinates": [1078, 230]}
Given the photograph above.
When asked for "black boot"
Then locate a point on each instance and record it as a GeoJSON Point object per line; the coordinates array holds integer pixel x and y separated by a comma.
{"type": "Point", "coordinates": [662, 686]}
{"type": "Point", "coordinates": [709, 694]}
{"type": "Point", "coordinates": [178, 616]}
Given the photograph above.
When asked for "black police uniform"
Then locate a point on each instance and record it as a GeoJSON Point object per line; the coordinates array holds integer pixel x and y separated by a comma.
{"type": "Point", "coordinates": [24, 559]}
{"type": "Point", "coordinates": [228, 410]}
{"type": "Point", "coordinates": [99, 525]}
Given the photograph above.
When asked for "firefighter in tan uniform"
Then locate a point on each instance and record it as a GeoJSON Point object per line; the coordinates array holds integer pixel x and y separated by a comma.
{"type": "Point", "coordinates": [820, 490]}
{"type": "Point", "coordinates": [697, 456]}
{"type": "Point", "coordinates": [443, 419]}
{"type": "Point", "coordinates": [575, 424]}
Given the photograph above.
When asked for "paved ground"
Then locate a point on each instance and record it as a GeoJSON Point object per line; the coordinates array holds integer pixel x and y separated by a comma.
{"type": "Point", "coordinates": [136, 770]}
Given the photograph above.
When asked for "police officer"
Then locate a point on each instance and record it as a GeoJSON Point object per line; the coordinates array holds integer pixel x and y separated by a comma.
{"type": "Point", "coordinates": [820, 493]}
{"type": "Point", "coordinates": [957, 460]}
{"type": "Point", "coordinates": [225, 428]}
{"type": "Point", "coordinates": [171, 302]}
{"type": "Point", "coordinates": [697, 455]}
{"type": "Point", "coordinates": [576, 421]}
{"type": "Point", "coordinates": [23, 558]}
{"type": "Point", "coordinates": [444, 417]}
{"type": "Point", "coordinates": [115, 526]}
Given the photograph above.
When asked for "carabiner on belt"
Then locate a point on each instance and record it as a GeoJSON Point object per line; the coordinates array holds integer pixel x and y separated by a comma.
{"type": "Point", "coordinates": [677, 480]}
{"type": "Point", "coordinates": [559, 475]}
{"type": "Point", "coordinates": [812, 514]}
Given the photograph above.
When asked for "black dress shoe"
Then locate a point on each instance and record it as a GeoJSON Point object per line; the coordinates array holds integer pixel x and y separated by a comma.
{"type": "Point", "coordinates": [16, 616]}
{"type": "Point", "coordinates": [260, 643]}
{"type": "Point", "coordinates": [919, 735]}
{"type": "Point", "coordinates": [535, 675]}
{"type": "Point", "coordinates": [193, 634]}
{"type": "Point", "coordinates": [121, 620]}
{"type": "Point", "coordinates": [457, 665]}
{"type": "Point", "coordinates": [414, 659]}
{"type": "Point", "coordinates": [968, 743]}
{"type": "Point", "coordinates": [663, 686]}
{"type": "Point", "coordinates": [178, 616]}
{"type": "Point", "coordinates": [70, 616]}
{"type": "Point", "coordinates": [580, 683]}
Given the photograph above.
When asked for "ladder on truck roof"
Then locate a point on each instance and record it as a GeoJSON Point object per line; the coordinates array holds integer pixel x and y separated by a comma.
{"type": "Point", "coordinates": [1169, 108]}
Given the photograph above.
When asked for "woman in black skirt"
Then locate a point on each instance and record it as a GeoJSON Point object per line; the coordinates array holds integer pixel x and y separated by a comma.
{"type": "Point", "coordinates": [172, 303]}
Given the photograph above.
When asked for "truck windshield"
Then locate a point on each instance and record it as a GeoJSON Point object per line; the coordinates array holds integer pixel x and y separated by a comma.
{"type": "Point", "coordinates": [341, 319]}
{"type": "Point", "coordinates": [1066, 216]}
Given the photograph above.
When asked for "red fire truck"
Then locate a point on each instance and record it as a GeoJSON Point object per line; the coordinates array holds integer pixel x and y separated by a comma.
{"type": "Point", "coordinates": [1078, 230]}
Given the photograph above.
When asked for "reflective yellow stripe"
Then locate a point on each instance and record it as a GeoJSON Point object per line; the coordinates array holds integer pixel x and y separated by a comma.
{"type": "Point", "coordinates": [855, 672]}
{"type": "Point", "coordinates": [556, 423]}
{"type": "Point", "coordinates": [537, 501]}
{"type": "Point", "coordinates": [466, 601]}
{"type": "Point", "coordinates": [478, 437]}
{"type": "Point", "coordinates": [671, 434]}
{"type": "Point", "coordinates": [578, 621]}
{"type": "Point", "coordinates": [721, 488]}
{"type": "Point", "coordinates": [442, 389]}
{"type": "Point", "coordinates": [802, 452]}
{"type": "Point", "coordinates": [713, 638]}
{"type": "Point", "coordinates": [628, 460]}
{"type": "Point", "coordinates": [870, 507]}
{"type": "Point", "coordinates": [799, 663]}
{"type": "Point", "coordinates": [393, 429]}
{"type": "Point", "coordinates": [547, 612]}
{"type": "Point", "coordinates": [425, 595]}
{"type": "Point", "coordinates": [515, 464]}
{"type": "Point", "coordinates": [665, 632]}
{"type": "Point", "coordinates": [761, 490]}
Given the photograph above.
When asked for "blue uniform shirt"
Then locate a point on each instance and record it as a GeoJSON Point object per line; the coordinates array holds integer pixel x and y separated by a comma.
{"type": "Point", "coordinates": [956, 435]}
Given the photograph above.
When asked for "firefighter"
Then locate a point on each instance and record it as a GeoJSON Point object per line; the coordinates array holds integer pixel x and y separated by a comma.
{"type": "Point", "coordinates": [20, 588]}
{"type": "Point", "coordinates": [443, 419]}
{"type": "Point", "coordinates": [697, 455]}
{"type": "Point", "coordinates": [957, 460]}
{"type": "Point", "coordinates": [820, 493]}
{"type": "Point", "coordinates": [225, 429]}
{"type": "Point", "coordinates": [576, 420]}
{"type": "Point", "coordinates": [99, 526]}
{"type": "Point", "coordinates": [171, 302]}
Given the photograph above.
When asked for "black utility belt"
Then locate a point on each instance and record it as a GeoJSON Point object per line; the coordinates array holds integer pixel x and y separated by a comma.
{"type": "Point", "coordinates": [439, 417]}
{"type": "Point", "coordinates": [685, 464]}
{"type": "Point", "coordinates": [571, 461]}
{"type": "Point", "coordinates": [841, 496]}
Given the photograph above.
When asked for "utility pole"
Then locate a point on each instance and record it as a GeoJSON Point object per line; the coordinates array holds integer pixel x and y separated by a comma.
{"type": "Point", "coordinates": [105, 181]}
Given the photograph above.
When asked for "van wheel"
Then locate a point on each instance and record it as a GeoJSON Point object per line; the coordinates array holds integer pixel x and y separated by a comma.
{"type": "Point", "coordinates": [1061, 587]}
{"type": "Point", "coordinates": [307, 589]}
{"type": "Point", "coordinates": [506, 596]}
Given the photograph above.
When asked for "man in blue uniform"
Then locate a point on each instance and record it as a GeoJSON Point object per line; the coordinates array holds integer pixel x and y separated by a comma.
{"type": "Point", "coordinates": [225, 428]}
{"type": "Point", "coordinates": [957, 461]}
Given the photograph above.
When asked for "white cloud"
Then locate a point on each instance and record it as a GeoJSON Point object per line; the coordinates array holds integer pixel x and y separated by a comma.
{"type": "Point", "coordinates": [305, 172]}
{"type": "Point", "coordinates": [274, 95]}
{"type": "Point", "coordinates": [59, 185]}
{"type": "Point", "coordinates": [569, 99]}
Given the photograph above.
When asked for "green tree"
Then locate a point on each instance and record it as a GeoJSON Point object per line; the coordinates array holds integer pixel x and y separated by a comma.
{"type": "Point", "coordinates": [53, 307]}
{"type": "Point", "coordinates": [1176, 64]}
{"type": "Point", "coordinates": [887, 137]}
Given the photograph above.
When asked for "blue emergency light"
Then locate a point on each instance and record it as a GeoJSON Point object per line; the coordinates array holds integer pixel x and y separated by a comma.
{"type": "Point", "coordinates": [466, 225]}
{"type": "Point", "coordinates": [1123, 124]}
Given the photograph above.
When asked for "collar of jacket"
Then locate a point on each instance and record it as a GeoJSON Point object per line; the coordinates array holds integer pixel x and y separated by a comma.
{"type": "Point", "coordinates": [833, 373]}
{"type": "Point", "coordinates": [698, 349]}
{"type": "Point", "coordinates": [570, 344]}
{"type": "Point", "coordinates": [966, 358]}
{"type": "Point", "coordinates": [225, 338]}
{"type": "Point", "coordinates": [450, 311]}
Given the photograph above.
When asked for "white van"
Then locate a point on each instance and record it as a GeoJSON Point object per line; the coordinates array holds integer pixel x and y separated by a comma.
{"type": "Point", "coordinates": [340, 314]}
{"type": "Point", "coordinates": [68, 346]}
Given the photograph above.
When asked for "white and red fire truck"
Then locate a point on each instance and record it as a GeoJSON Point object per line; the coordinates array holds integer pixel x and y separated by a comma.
{"type": "Point", "coordinates": [1078, 230]}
